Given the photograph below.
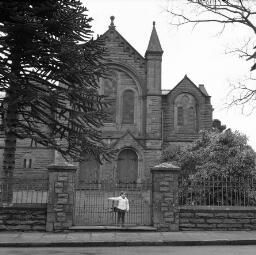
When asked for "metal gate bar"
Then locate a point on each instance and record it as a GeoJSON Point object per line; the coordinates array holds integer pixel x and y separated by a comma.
{"type": "Point", "coordinates": [93, 208]}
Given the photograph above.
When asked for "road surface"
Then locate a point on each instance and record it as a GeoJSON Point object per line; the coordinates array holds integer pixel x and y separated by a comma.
{"type": "Point", "coordinates": [163, 250]}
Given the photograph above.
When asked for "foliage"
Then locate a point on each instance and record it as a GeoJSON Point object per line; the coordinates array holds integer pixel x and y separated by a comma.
{"type": "Point", "coordinates": [215, 154]}
{"type": "Point", "coordinates": [216, 169]}
{"type": "Point", "coordinates": [49, 71]}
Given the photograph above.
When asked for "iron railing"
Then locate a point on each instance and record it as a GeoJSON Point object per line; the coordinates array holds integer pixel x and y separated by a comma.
{"type": "Point", "coordinates": [218, 191]}
{"type": "Point", "coordinates": [92, 206]}
{"type": "Point", "coordinates": [19, 191]}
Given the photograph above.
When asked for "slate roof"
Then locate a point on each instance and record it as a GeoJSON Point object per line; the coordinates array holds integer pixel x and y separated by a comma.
{"type": "Point", "coordinates": [201, 87]}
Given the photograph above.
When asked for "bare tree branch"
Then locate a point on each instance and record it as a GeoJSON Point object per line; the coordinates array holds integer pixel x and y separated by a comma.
{"type": "Point", "coordinates": [225, 12]}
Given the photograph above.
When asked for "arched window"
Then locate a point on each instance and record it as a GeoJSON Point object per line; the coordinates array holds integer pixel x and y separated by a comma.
{"type": "Point", "coordinates": [185, 113]}
{"type": "Point", "coordinates": [27, 161]}
{"type": "Point", "coordinates": [127, 166]}
{"type": "Point", "coordinates": [192, 117]}
{"type": "Point", "coordinates": [109, 90]}
{"type": "Point", "coordinates": [128, 107]}
{"type": "Point", "coordinates": [180, 117]}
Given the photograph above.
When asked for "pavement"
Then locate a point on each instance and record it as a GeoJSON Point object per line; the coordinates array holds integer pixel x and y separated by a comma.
{"type": "Point", "coordinates": [124, 238]}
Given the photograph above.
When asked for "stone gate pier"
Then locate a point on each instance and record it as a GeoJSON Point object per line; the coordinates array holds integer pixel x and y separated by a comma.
{"type": "Point", "coordinates": [165, 211]}
{"type": "Point", "coordinates": [60, 197]}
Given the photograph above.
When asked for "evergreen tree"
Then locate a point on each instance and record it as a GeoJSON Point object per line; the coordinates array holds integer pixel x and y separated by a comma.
{"type": "Point", "coordinates": [49, 71]}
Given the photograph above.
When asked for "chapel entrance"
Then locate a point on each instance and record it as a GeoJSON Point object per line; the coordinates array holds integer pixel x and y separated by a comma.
{"type": "Point", "coordinates": [92, 206]}
{"type": "Point", "coordinates": [127, 166]}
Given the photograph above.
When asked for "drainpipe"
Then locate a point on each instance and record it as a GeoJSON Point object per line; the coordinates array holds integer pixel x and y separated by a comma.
{"type": "Point", "coordinates": [162, 126]}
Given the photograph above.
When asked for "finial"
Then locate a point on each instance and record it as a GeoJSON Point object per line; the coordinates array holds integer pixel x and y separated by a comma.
{"type": "Point", "coordinates": [112, 18]}
{"type": "Point", "coordinates": [154, 23]}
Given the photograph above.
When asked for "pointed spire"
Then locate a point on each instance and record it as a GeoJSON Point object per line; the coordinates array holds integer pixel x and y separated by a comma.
{"type": "Point", "coordinates": [154, 43]}
{"type": "Point", "coordinates": [112, 25]}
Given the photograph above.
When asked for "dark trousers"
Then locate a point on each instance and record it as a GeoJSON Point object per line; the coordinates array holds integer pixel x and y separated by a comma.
{"type": "Point", "coordinates": [120, 216]}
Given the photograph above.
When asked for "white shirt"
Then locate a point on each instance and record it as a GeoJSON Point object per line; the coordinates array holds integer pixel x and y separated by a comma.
{"type": "Point", "coordinates": [123, 203]}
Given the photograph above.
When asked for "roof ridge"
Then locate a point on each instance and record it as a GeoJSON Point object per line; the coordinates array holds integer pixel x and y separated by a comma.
{"type": "Point", "coordinates": [187, 78]}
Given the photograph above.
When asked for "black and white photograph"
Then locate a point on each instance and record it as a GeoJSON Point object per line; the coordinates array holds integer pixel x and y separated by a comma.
{"type": "Point", "coordinates": [127, 127]}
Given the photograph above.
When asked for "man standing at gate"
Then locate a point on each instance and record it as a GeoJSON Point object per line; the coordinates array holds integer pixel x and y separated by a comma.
{"type": "Point", "coordinates": [122, 207]}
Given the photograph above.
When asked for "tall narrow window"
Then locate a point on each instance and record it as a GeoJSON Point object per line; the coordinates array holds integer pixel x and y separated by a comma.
{"type": "Point", "coordinates": [128, 107]}
{"type": "Point", "coordinates": [27, 162]}
{"type": "Point", "coordinates": [30, 163]}
{"type": "Point", "coordinates": [110, 93]}
{"type": "Point", "coordinates": [180, 116]}
{"type": "Point", "coordinates": [191, 118]}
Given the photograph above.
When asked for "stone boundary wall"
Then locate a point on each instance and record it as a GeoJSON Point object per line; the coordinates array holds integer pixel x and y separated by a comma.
{"type": "Point", "coordinates": [217, 218]}
{"type": "Point", "coordinates": [23, 218]}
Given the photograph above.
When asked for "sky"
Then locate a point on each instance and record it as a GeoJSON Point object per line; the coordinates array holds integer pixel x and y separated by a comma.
{"type": "Point", "coordinates": [201, 53]}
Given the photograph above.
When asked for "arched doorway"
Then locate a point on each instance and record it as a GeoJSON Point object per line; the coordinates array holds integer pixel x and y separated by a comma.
{"type": "Point", "coordinates": [127, 166]}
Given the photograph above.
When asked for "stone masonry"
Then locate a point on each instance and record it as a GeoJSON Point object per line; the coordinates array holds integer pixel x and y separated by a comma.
{"type": "Point", "coordinates": [23, 218]}
{"type": "Point", "coordinates": [151, 120]}
{"type": "Point", "coordinates": [165, 197]}
{"type": "Point", "coordinates": [217, 218]}
{"type": "Point", "coordinates": [60, 197]}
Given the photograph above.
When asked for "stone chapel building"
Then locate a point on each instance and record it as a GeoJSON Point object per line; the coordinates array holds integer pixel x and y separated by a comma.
{"type": "Point", "coordinates": [144, 119]}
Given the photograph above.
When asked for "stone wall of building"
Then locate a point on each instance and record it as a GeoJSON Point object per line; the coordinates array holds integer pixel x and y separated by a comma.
{"type": "Point", "coordinates": [120, 51]}
{"type": "Point", "coordinates": [204, 111]}
{"type": "Point", "coordinates": [152, 157]}
{"type": "Point", "coordinates": [217, 218]}
{"type": "Point", "coordinates": [23, 218]}
{"type": "Point", "coordinates": [154, 117]}
{"type": "Point", "coordinates": [40, 158]}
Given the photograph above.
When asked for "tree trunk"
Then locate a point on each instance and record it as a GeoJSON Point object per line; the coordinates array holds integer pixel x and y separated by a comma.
{"type": "Point", "coordinates": [10, 124]}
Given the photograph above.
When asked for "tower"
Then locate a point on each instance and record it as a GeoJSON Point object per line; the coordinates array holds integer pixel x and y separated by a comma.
{"type": "Point", "coordinates": [153, 57]}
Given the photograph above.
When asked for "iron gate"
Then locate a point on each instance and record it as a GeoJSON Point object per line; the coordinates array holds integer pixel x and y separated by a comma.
{"type": "Point", "coordinates": [92, 207]}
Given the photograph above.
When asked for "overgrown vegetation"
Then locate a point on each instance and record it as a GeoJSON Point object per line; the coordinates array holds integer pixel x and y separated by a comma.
{"type": "Point", "coordinates": [223, 154]}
